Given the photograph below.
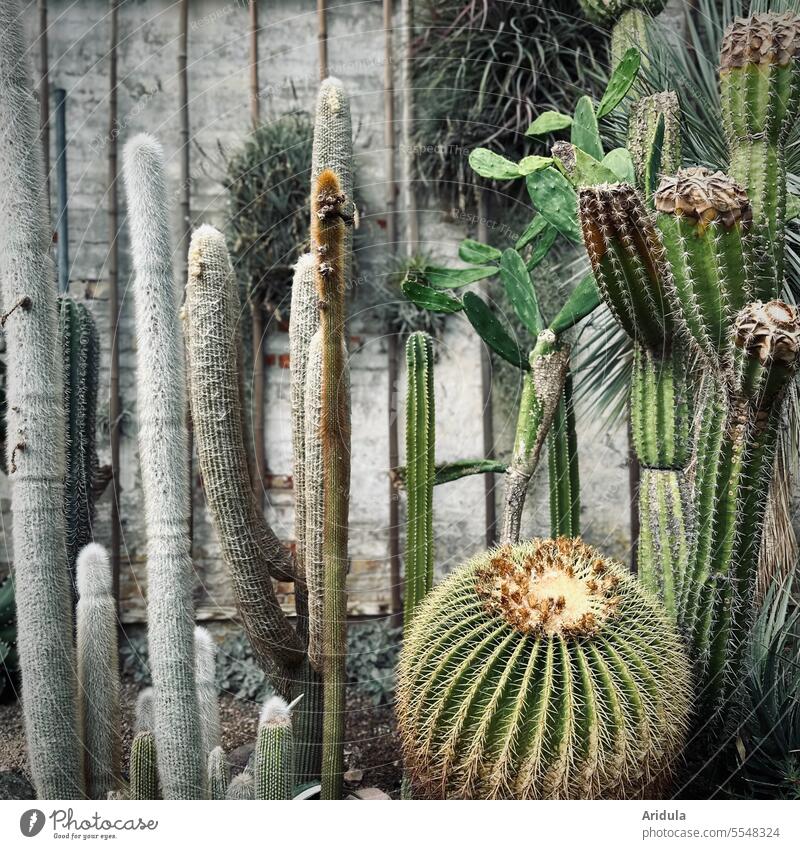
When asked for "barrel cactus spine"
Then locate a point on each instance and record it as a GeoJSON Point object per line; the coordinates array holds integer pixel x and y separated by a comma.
{"type": "Point", "coordinates": [35, 433]}
{"type": "Point", "coordinates": [541, 670]}
{"type": "Point", "coordinates": [162, 455]}
{"type": "Point", "coordinates": [98, 671]}
{"type": "Point", "coordinates": [274, 754]}
{"type": "Point", "coordinates": [144, 783]}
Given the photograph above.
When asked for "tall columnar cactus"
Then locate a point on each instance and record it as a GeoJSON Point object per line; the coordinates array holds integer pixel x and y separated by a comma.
{"type": "Point", "coordinates": [250, 549]}
{"type": "Point", "coordinates": [165, 479]}
{"type": "Point", "coordinates": [81, 352]}
{"type": "Point", "coordinates": [273, 768]}
{"type": "Point", "coordinates": [627, 18]}
{"type": "Point", "coordinates": [205, 650]}
{"type": "Point", "coordinates": [643, 130]}
{"type": "Point", "coordinates": [420, 471]}
{"type": "Point", "coordinates": [541, 671]}
{"type": "Point", "coordinates": [98, 671]}
{"type": "Point", "coordinates": [35, 432]}
{"type": "Point", "coordinates": [564, 472]}
{"type": "Point", "coordinates": [144, 783]}
{"type": "Point", "coordinates": [143, 712]}
{"type": "Point", "coordinates": [760, 93]}
{"type": "Point", "coordinates": [219, 773]}
{"type": "Point", "coordinates": [328, 229]}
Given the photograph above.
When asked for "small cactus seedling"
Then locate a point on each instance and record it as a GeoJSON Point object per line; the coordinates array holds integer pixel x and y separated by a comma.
{"type": "Point", "coordinates": [541, 671]}
{"type": "Point", "coordinates": [144, 783]}
{"type": "Point", "coordinates": [242, 787]}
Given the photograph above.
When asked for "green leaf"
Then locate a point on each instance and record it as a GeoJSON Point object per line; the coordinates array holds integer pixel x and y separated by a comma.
{"type": "Point", "coordinates": [429, 299]}
{"type": "Point", "coordinates": [585, 134]}
{"type": "Point", "coordinates": [452, 278]}
{"type": "Point", "coordinates": [477, 252]}
{"type": "Point", "coordinates": [519, 288]}
{"type": "Point", "coordinates": [542, 247]}
{"type": "Point", "coordinates": [537, 225]}
{"type": "Point", "coordinates": [583, 301]}
{"type": "Point", "coordinates": [555, 199]}
{"type": "Point", "coordinates": [620, 163]}
{"type": "Point", "coordinates": [492, 331]}
{"type": "Point", "coordinates": [548, 122]}
{"type": "Point", "coordinates": [589, 172]}
{"type": "Point", "coordinates": [621, 80]}
{"type": "Point", "coordinates": [489, 164]}
{"type": "Point", "coordinates": [448, 472]}
{"type": "Point", "coordinates": [653, 166]}
{"type": "Point", "coordinates": [529, 164]}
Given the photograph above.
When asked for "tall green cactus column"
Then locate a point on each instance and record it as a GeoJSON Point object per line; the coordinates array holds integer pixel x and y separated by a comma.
{"type": "Point", "coordinates": [35, 432]}
{"type": "Point", "coordinates": [274, 751]}
{"type": "Point", "coordinates": [420, 466]}
{"type": "Point", "coordinates": [564, 473]}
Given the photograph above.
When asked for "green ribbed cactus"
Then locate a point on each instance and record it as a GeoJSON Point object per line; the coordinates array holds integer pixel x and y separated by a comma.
{"type": "Point", "coordinates": [35, 432]}
{"type": "Point", "coordinates": [564, 473]}
{"type": "Point", "coordinates": [161, 395]}
{"type": "Point", "coordinates": [541, 671]}
{"type": "Point", "coordinates": [643, 133]}
{"type": "Point", "coordinates": [81, 351]}
{"type": "Point", "coordinates": [760, 94]}
{"type": "Point", "coordinates": [627, 19]}
{"type": "Point", "coordinates": [242, 787]}
{"type": "Point", "coordinates": [420, 471]}
{"type": "Point", "coordinates": [98, 672]}
{"type": "Point", "coordinates": [219, 773]}
{"type": "Point", "coordinates": [608, 12]}
{"type": "Point", "coordinates": [144, 783]}
{"type": "Point", "coordinates": [274, 753]}
{"type": "Point", "coordinates": [143, 712]}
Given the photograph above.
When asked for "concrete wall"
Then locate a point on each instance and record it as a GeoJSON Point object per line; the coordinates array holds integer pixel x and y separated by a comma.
{"type": "Point", "coordinates": [219, 114]}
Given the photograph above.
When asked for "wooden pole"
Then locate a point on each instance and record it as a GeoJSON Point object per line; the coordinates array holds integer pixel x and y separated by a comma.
{"type": "Point", "coordinates": [395, 576]}
{"type": "Point", "coordinates": [114, 404]}
{"type": "Point", "coordinates": [44, 94]}
{"type": "Point", "coordinates": [186, 214]}
{"type": "Point", "coordinates": [322, 37]}
{"type": "Point", "coordinates": [412, 217]}
{"type": "Point", "coordinates": [255, 105]}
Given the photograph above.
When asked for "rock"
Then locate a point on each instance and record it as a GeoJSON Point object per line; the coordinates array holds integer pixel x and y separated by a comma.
{"type": "Point", "coordinates": [354, 776]}
{"type": "Point", "coordinates": [369, 794]}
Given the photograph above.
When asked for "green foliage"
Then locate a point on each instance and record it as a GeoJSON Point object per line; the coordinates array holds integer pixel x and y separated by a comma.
{"type": "Point", "coordinates": [372, 649]}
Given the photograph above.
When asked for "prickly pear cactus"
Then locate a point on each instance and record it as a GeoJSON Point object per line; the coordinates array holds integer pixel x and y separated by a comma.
{"type": "Point", "coordinates": [541, 671]}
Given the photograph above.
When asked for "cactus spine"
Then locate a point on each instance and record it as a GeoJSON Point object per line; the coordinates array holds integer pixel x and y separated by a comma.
{"type": "Point", "coordinates": [98, 671]}
{"type": "Point", "coordinates": [328, 242]}
{"type": "Point", "coordinates": [420, 466]}
{"type": "Point", "coordinates": [541, 671]}
{"type": "Point", "coordinates": [144, 782]}
{"type": "Point", "coordinates": [162, 454]}
{"type": "Point", "coordinates": [274, 751]}
{"type": "Point", "coordinates": [564, 474]}
{"type": "Point", "coordinates": [81, 351]}
{"type": "Point", "coordinates": [219, 774]}
{"type": "Point", "coordinates": [242, 787]}
{"type": "Point", "coordinates": [205, 653]}
{"type": "Point", "coordinates": [35, 433]}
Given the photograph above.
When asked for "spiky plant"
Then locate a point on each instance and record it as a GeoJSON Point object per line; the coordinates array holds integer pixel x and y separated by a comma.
{"type": "Point", "coordinates": [242, 787]}
{"type": "Point", "coordinates": [144, 782]}
{"type": "Point", "coordinates": [35, 432]}
{"type": "Point", "coordinates": [219, 773]}
{"type": "Point", "coordinates": [273, 768]}
{"type": "Point", "coordinates": [541, 671]}
{"type": "Point", "coordinates": [98, 672]}
{"type": "Point", "coordinates": [165, 476]}
{"type": "Point", "coordinates": [205, 660]}
{"type": "Point", "coordinates": [143, 711]}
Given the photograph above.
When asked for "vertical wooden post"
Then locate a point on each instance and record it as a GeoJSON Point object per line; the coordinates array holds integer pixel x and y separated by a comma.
{"type": "Point", "coordinates": [44, 95]}
{"type": "Point", "coordinates": [255, 105]}
{"type": "Point", "coordinates": [186, 214]}
{"type": "Point", "coordinates": [114, 404]}
{"type": "Point", "coordinates": [322, 37]}
{"type": "Point", "coordinates": [412, 217]}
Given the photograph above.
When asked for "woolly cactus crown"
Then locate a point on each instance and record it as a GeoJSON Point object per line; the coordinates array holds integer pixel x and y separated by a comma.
{"type": "Point", "coordinates": [93, 572]}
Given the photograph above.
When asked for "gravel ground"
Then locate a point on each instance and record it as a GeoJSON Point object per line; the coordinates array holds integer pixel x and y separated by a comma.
{"type": "Point", "coordinates": [371, 748]}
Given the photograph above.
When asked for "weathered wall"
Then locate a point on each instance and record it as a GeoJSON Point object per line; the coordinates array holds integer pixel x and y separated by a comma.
{"type": "Point", "coordinates": [219, 114]}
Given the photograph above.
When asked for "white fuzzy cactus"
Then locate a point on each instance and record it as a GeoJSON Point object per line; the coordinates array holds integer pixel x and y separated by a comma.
{"type": "Point", "coordinates": [35, 431]}
{"type": "Point", "coordinates": [98, 671]}
{"type": "Point", "coordinates": [144, 710]}
{"type": "Point", "coordinates": [205, 650]}
{"type": "Point", "coordinates": [165, 477]}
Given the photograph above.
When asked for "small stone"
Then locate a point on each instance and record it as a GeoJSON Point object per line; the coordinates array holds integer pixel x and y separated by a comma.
{"type": "Point", "coordinates": [354, 776]}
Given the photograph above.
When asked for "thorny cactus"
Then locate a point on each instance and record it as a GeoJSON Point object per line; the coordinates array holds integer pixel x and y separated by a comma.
{"type": "Point", "coordinates": [273, 768]}
{"type": "Point", "coordinates": [35, 432]}
{"type": "Point", "coordinates": [143, 712]}
{"type": "Point", "coordinates": [541, 671]}
{"type": "Point", "coordinates": [165, 477]}
{"type": "Point", "coordinates": [420, 471]}
{"type": "Point", "coordinates": [144, 783]}
{"type": "Point", "coordinates": [564, 472]}
{"type": "Point", "coordinates": [242, 787]}
{"type": "Point", "coordinates": [643, 127]}
{"type": "Point", "coordinates": [219, 774]}
{"type": "Point", "coordinates": [81, 352]}
{"type": "Point", "coordinates": [205, 652]}
{"type": "Point", "coordinates": [98, 672]}
{"type": "Point", "coordinates": [608, 12]}
{"type": "Point", "coordinates": [328, 229]}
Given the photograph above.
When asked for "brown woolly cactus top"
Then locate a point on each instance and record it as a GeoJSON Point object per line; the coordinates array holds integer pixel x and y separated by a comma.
{"type": "Point", "coordinates": [562, 587]}
{"type": "Point", "coordinates": [770, 332]}
{"type": "Point", "coordinates": [703, 196]}
{"type": "Point", "coordinates": [763, 39]}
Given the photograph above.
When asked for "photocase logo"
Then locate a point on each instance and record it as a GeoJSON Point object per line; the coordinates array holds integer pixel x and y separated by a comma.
{"type": "Point", "coordinates": [31, 822]}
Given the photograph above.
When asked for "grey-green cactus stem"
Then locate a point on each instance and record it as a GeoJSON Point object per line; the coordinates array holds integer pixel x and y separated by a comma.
{"type": "Point", "coordinates": [760, 94]}
{"type": "Point", "coordinates": [35, 432]}
{"type": "Point", "coordinates": [541, 671]}
{"type": "Point", "coordinates": [98, 672]}
{"type": "Point", "coordinates": [541, 392]}
{"type": "Point", "coordinates": [242, 787]}
{"type": "Point", "coordinates": [564, 473]}
{"type": "Point", "coordinates": [642, 129]}
{"type": "Point", "coordinates": [81, 352]}
{"type": "Point", "coordinates": [219, 773]}
{"type": "Point", "coordinates": [161, 394]}
{"type": "Point", "coordinates": [274, 754]}
{"type": "Point", "coordinates": [144, 783]}
{"type": "Point", "coordinates": [205, 651]}
{"type": "Point", "coordinates": [420, 471]}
